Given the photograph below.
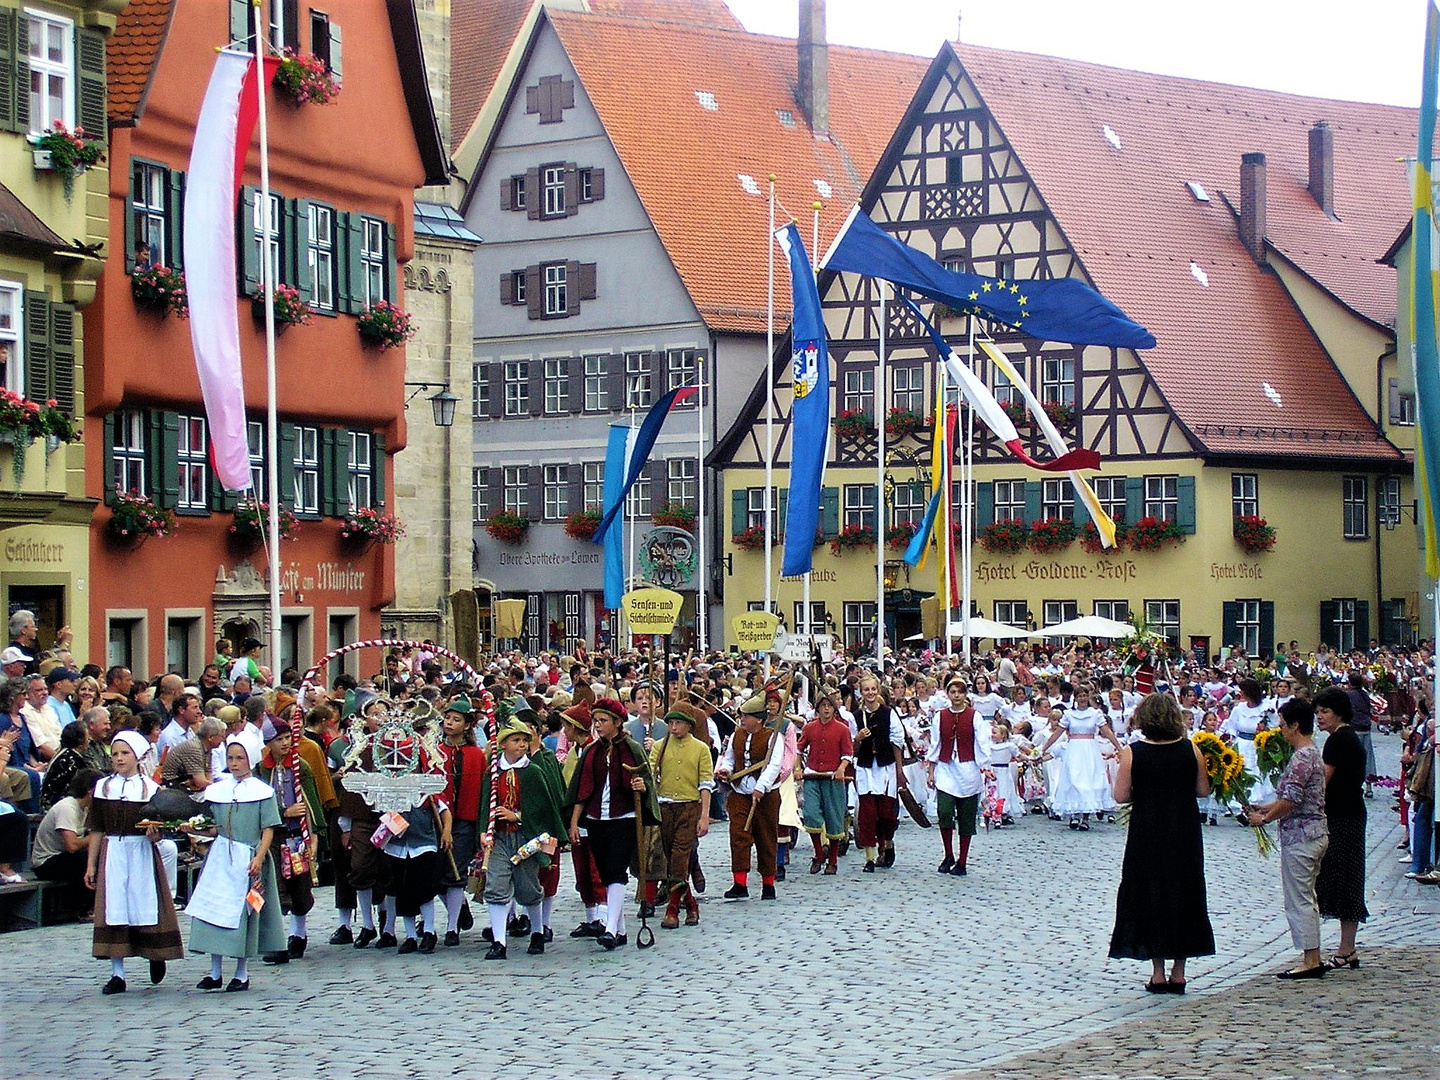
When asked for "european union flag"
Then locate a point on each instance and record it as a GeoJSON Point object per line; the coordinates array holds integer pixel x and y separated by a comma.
{"type": "Point", "coordinates": [1062, 309]}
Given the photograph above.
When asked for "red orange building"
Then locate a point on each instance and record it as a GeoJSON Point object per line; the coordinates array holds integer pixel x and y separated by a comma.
{"type": "Point", "coordinates": [343, 177]}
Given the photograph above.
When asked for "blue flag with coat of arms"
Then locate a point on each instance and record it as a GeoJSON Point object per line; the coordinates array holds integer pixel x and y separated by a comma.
{"type": "Point", "coordinates": [810, 413]}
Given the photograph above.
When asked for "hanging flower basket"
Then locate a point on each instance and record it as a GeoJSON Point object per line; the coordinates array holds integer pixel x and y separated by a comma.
{"type": "Point", "coordinates": [1052, 534]}
{"type": "Point", "coordinates": [384, 325]}
{"type": "Point", "coordinates": [304, 79]}
{"type": "Point", "coordinates": [854, 425]}
{"type": "Point", "coordinates": [21, 423]}
{"type": "Point", "coordinates": [66, 153]}
{"type": "Point", "coordinates": [1003, 537]}
{"type": "Point", "coordinates": [1254, 534]}
{"type": "Point", "coordinates": [675, 516]}
{"type": "Point", "coordinates": [853, 536]}
{"type": "Point", "coordinates": [898, 537]}
{"type": "Point", "coordinates": [366, 527]}
{"type": "Point", "coordinates": [581, 525]}
{"type": "Point", "coordinates": [903, 422]}
{"type": "Point", "coordinates": [1062, 416]}
{"type": "Point", "coordinates": [1090, 538]}
{"type": "Point", "coordinates": [290, 309]}
{"type": "Point", "coordinates": [134, 519]}
{"type": "Point", "coordinates": [1152, 534]}
{"type": "Point", "coordinates": [161, 290]}
{"type": "Point", "coordinates": [251, 521]}
{"type": "Point", "coordinates": [506, 527]}
{"type": "Point", "coordinates": [752, 538]}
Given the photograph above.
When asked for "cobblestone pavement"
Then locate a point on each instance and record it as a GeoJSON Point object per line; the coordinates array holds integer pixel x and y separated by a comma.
{"type": "Point", "coordinates": [899, 973]}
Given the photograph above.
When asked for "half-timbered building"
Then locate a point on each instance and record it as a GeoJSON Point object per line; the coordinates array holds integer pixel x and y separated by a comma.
{"type": "Point", "coordinates": [1242, 227]}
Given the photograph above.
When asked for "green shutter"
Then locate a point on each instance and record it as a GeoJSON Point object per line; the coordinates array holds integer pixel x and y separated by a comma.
{"type": "Point", "coordinates": [984, 504]}
{"type": "Point", "coordinates": [37, 346]}
{"type": "Point", "coordinates": [108, 464]}
{"type": "Point", "coordinates": [1185, 511]}
{"type": "Point", "coordinates": [287, 465]}
{"type": "Point", "coordinates": [377, 465]}
{"type": "Point", "coordinates": [782, 507]}
{"type": "Point", "coordinates": [390, 290]}
{"type": "Point", "coordinates": [1229, 623]}
{"type": "Point", "coordinates": [830, 511]}
{"type": "Point", "coordinates": [174, 218]}
{"type": "Point", "coordinates": [130, 225]}
{"type": "Point", "coordinates": [249, 250]}
{"type": "Point", "coordinates": [164, 459]}
{"type": "Point", "coordinates": [1267, 629]}
{"type": "Point", "coordinates": [739, 510]}
{"type": "Point", "coordinates": [298, 239]}
{"type": "Point", "coordinates": [354, 268]}
{"type": "Point", "coordinates": [1134, 498]}
{"type": "Point", "coordinates": [1329, 614]}
{"type": "Point", "coordinates": [1032, 501]}
{"type": "Point", "coordinates": [242, 28]}
{"type": "Point", "coordinates": [332, 486]}
{"type": "Point", "coordinates": [14, 71]}
{"type": "Point", "coordinates": [335, 65]}
{"type": "Point", "coordinates": [62, 356]}
{"type": "Point", "coordinates": [90, 81]}
{"type": "Point", "coordinates": [1362, 624]}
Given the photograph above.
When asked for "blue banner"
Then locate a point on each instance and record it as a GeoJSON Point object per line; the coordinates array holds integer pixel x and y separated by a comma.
{"type": "Point", "coordinates": [615, 455]}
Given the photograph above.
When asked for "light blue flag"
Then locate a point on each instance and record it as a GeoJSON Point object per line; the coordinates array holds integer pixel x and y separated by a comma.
{"type": "Point", "coordinates": [810, 414]}
{"type": "Point", "coordinates": [616, 457]}
{"type": "Point", "coordinates": [916, 549]}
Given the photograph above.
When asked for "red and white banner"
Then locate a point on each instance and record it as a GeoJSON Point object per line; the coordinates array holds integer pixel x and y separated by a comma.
{"type": "Point", "coordinates": [217, 162]}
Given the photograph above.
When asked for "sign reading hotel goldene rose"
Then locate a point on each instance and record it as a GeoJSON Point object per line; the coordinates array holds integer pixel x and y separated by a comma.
{"type": "Point", "coordinates": [754, 630]}
{"type": "Point", "coordinates": [652, 611]}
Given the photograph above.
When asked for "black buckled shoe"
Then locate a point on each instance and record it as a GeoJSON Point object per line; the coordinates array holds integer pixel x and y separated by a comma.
{"type": "Point", "coordinates": [519, 926]}
{"type": "Point", "coordinates": [277, 957]}
{"type": "Point", "coordinates": [116, 985]}
{"type": "Point", "coordinates": [737, 892]}
{"type": "Point", "coordinates": [588, 929]}
{"type": "Point", "coordinates": [297, 947]}
{"type": "Point", "coordinates": [342, 936]}
{"type": "Point", "coordinates": [386, 941]}
{"type": "Point", "coordinates": [946, 865]}
{"type": "Point", "coordinates": [427, 943]}
{"type": "Point", "coordinates": [496, 952]}
{"type": "Point", "coordinates": [365, 938]}
{"type": "Point", "coordinates": [157, 972]}
{"type": "Point", "coordinates": [767, 892]}
{"type": "Point", "coordinates": [407, 947]}
{"type": "Point", "coordinates": [537, 944]}
{"type": "Point", "coordinates": [452, 938]}
{"type": "Point", "coordinates": [209, 982]}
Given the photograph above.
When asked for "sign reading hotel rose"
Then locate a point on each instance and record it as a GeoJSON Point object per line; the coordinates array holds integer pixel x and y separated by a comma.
{"type": "Point", "coordinates": [754, 630]}
{"type": "Point", "coordinates": [652, 611]}
{"type": "Point", "coordinates": [1101, 569]}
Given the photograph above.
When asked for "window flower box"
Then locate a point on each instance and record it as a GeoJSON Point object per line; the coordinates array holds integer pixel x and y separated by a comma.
{"type": "Point", "coordinates": [1061, 415]}
{"type": "Point", "coordinates": [134, 519]}
{"type": "Point", "coordinates": [1090, 539]}
{"type": "Point", "coordinates": [1153, 534]}
{"type": "Point", "coordinates": [66, 153]}
{"type": "Point", "coordinates": [304, 79]}
{"type": "Point", "coordinates": [675, 516]}
{"type": "Point", "coordinates": [854, 425]}
{"type": "Point", "coordinates": [160, 289]}
{"type": "Point", "coordinates": [506, 527]}
{"type": "Point", "coordinates": [384, 325]}
{"type": "Point", "coordinates": [1052, 535]}
{"type": "Point", "coordinates": [290, 309]}
{"type": "Point", "coordinates": [1003, 537]}
{"type": "Point", "coordinates": [853, 536]}
{"type": "Point", "coordinates": [581, 525]}
{"type": "Point", "coordinates": [1018, 412]}
{"type": "Point", "coordinates": [1254, 534]}
{"type": "Point", "coordinates": [903, 422]}
{"type": "Point", "coordinates": [251, 521]}
{"type": "Point", "coordinates": [752, 538]}
{"type": "Point", "coordinates": [368, 526]}
{"type": "Point", "coordinates": [898, 537]}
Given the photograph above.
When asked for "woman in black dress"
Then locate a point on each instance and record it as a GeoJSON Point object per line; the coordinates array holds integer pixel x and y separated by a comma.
{"type": "Point", "coordinates": [1340, 888]}
{"type": "Point", "coordinates": [1160, 910]}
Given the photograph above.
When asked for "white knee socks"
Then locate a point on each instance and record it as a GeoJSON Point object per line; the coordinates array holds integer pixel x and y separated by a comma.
{"type": "Point", "coordinates": [615, 905]}
{"type": "Point", "coordinates": [547, 905]}
{"type": "Point", "coordinates": [427, 916]}
{"type": "Point", "coordinates": [298, 926]}
{"type": "Point", "coordinates": [453, 899]}
{"type": "Point", "coordinates": [345, 918]}
{"type": "Point", "coordinates": [242, 969]}
{"type": "Point", "coordinates": [215, 970]}
{"type": "Point", "coordinates": [537, 918]}
{"type": "Point", "coordinates": [366, 899]}
{"type": "Point", "coordinates": [409, 921]}
{"type": "Point", "coordinates": [117, 968]}
{"type": "Point", "coordinates": [498, 914]}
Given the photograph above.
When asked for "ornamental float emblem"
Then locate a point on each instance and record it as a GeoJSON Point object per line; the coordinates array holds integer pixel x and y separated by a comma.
{"type": "Point", "coordinates": [396, 775]}
{"type": "Point", "coordinates": [667, 557]}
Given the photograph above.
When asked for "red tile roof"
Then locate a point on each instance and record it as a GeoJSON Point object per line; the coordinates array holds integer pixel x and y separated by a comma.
{"type": "Point", "coordinates": [481, 34]}
{"type": "Point", "coordinates": [698, 12]}
{"type": "Point", "coordinates": [684, 160]}
{"type": "Point", "coordinates": [131, 54]}
{"type": "Point", "coordinates": [1137, 229]}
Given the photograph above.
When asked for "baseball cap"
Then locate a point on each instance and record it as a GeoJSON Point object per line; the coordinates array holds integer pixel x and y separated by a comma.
{"type": "Point", "coordinates": [14, 655]}
{"type": "Point", "coordinates": [59, 674]}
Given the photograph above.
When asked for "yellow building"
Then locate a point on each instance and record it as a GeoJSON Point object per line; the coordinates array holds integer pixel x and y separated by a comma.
{"type": "Point", "coordinates": [1243, 228]}
{"type": "Point", "coordinates": [52, 72]}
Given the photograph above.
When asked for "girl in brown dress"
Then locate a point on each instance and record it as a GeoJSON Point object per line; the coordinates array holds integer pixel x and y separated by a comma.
{"type": "Point", "coordinates": [134, 912]}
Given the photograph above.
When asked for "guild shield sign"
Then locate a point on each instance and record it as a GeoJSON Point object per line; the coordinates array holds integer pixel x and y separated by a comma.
{"type": "Point", "coordinates": [667, 556]}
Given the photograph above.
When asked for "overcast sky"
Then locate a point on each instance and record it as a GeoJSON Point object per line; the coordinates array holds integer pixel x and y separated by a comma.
{"type": "Point", "coordinates": [1358, 50]}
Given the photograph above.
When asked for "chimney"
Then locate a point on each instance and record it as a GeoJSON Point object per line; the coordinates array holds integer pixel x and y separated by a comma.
{"type": "Point", "coordinates": [1252, 204]}
{"type": "Point", "coordinates": [1322, 166]}
{"type": "Point", "coordinates": [813, 88]}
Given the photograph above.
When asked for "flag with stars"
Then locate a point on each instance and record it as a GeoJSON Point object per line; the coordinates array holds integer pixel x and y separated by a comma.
{"type": "Point", "coordinates": [1063, 309]}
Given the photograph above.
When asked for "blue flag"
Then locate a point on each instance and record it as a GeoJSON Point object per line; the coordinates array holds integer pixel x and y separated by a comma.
{"type": "Point", "coordinates": [810, 414]}
{"type": "Point", "coordinates": [638, 455]}
{"type": "Point", "coordinates": [1062, 309]}
{"type": "Point", "coordinates": [616, 454]}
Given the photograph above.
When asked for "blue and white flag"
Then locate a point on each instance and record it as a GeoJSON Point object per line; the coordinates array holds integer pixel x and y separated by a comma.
{"type": "Point", "coordinates": [810, 413]}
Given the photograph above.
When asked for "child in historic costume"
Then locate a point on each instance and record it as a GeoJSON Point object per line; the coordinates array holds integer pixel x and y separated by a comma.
{"type": "Point", "coordinates": [134, 911]}
{"type": "Point", "coordinates": [297, 798]}
{"type": "Point", "coordinates": [527, 802]}
{"type": "Point", "coordinates": [412, 863]}
{"type": "Point", "coordinates": [1003, 751]}
{"type": "Point", "coordinates": [959, 749]}
{"type": "Point", "coordinates": [465, 769]}
{"type": "Point", "coordinates": [828, 750]}
{"type": "Point", "coordinates": [684, 779]}
{"type": "Point", "coordinates": [587, 877]}
{"type": "Point", "coordinates": [600, 799]}
{"type": "Point", "coordinates": [1084, 789]}
{"type": "Point", "coordinates": [878, 750]}
{"type": "Point", "coordinates": [358, 822]}
{"type": "Point", "coordinates": [545, 758]}
{"type": "Point", "coordinates": [752, 761]}
{"type": "Point", "coordinates": [222, 921]}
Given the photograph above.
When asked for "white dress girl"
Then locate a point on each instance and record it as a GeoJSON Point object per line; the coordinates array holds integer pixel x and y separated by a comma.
{"type": "Point", "coordinates": [1084, 788]}
{"type": "Point", "coordinates": [1003, 752]}
{"type": "Point", "coordinates": [1244, 720]}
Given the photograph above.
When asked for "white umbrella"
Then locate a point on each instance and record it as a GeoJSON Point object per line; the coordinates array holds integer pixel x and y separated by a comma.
{"type": "Point", "coordinates": [987, 628]}
{"type": "Point", "coordinates": [1091, 626]}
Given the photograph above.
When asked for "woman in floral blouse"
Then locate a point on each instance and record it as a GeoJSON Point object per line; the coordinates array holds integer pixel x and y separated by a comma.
{"type": "Point", "coordinates": [1304, 836]}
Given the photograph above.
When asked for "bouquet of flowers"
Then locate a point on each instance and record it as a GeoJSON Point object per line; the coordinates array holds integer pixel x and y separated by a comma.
{"type": "Point", "coordinates": [1146, 646]}
{"type": "Point", "coordinates": [1272, 753]}
{"type": "Point", "coordinates": [1230, 780]}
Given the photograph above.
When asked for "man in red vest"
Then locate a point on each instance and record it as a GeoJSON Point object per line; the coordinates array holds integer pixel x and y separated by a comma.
{"type": "Point", "coordinates": [953, 766]}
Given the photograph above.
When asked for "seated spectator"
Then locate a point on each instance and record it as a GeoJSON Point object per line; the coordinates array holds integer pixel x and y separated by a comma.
{"type": "Point", "coordinates": [73, 742]}
{"type": "Point", "coordinates": [187, 764]}
{"type": "Point", "coordinates": [39, 721]}
{"type": "Point", "coordinates": [16, 747]}
{"type": "Point", "coordinates": [61, 849]}
{"type": "Point", "coordinates": [14, 828]}
{"type": "Point", "coordinates": [97, 723]}
{"type": "Point", "coordinates": [118, 684]}
{"type": "Point", "coordinates": [209, 686]}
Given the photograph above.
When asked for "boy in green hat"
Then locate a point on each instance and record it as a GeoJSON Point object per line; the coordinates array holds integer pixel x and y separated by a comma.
{"type": "Point", "coordinates": [527, 805]}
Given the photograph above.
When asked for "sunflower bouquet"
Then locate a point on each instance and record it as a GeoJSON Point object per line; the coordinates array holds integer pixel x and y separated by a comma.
{"type": "Point", "coordinates": [1230, 780]}
{"type": "Point", "coordinates": [1272, 753]}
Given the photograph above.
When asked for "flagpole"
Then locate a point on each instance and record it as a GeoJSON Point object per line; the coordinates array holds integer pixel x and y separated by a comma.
{"type": "Point", "coordinates": [967, 506]}
{"type": "Point", "coordinates": [702, 611]}
{"type": "Point", "coordinates": [769, 502]}
{"type": "Point", "coordinates": [947, 530]}
{"type": "Point", "coordinates": [626, 516]}
{"type": "Point", "coordinates": [805, 582]}
{"type": "Point", "coordinates": [880, 402]}
{"type": "Point", "coordinates": [272, 421]}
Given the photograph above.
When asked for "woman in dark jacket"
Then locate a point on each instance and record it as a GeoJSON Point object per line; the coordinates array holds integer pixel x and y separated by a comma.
{"type": "Point", "coordinates": [1340, 888]}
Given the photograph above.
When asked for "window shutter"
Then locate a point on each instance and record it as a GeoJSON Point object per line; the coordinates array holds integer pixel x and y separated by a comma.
{"type": "Point", "coordinates": [532, 99]}
{"type": "Point", "coordinates": [576, 488]}
{"type": "Point", "coordinates": [297, 239]}
{"type": "Point", "coordinates": [572, 288]}
{"type": "Point", "coordinates": [572, 189]}
{"type": "Point", "coordinates": [1185, 511]}
{"type": "Point", "coordinates": [597, 185]}
{"type": "Point", "coordinates": [62, 356]}
{"type": "Point", "coordinates": [90, 81]}
{"type": "Point", "coordinates": [21, 67]}
{"type": "Point", "coordinates": [507, 188]}
{"type": "Point", "coordinates": [332, 486]}
{"type": "Point", "coordinates": [659, 484]}
{"type": "Point", "coordinates": [576, 367]}
{"type": "Point", "coordinates": [984, 505]}
{"type": "Point", "coordinates": [286, 465]}
{"type": "Point", "coordinates": [11, 88]}
{"type": "Point", "coordinates": [174, 220]}
{"type": "Point", "coordinates": [534, 197]}
{"type": "Point", "coordinates": [534, 293]}
{"type": "Point", "coordinates": [535, 493]}
{"type": "Point", "coordinates": [390, 293]}
{"type": "Point", "coordinates": [1229, 622]}
{"type": "Point", "coordinates": [537, 387]}
{"type": "Point", "coordinates": [1394, 400]}
{"type": "Point", "coordinates": [1329, 614]}
{"type": "Point", "coordinates": [497, 391]}
{"type": "Point", "coordinates": [37, 346]}
{"type": "Point", "coordinates": [1134, 498]}
{"type": "Point", "coordinates": [615, 373]}
{"type": "Point", "coordinates": [245, 241]}
{"type": "Point", "coordinates": [336, 68]}
{"type": "Point", "coordinates": [1032, 502]}
{"type": "Point", "coordinates": [656, 362]}
{"type": "Point", "coordinates": [507, 288]}
{"type": "Point", "coordinates": [830, 510]}
{"type": "Point", "coordinates": [165, 458]}
{"type": "Point", "coordinates": [1362, 624]}
{"type": "Point", "coordinates": [354, 268]}
{"type": "Point", "coordinates": [782, 509]}
{"type": "Point", "coordinates": [291, 29]}
{"type": "Point", "coordinates": [495, 488]}
{"type": "Point", "coordinates": [1081, 513]}
{"type": "Point", "coordinates": [378, 461]}
{"type": "Point", "coordinates": [241, 27]}
{"type": "Point", "coordinates": [109, 462]}
{"type": "Point", "coordinates": [740, 509]}
{"type": "Point", "coordinates": [129, 252]}
{"type": "Point", "coordinates": [587, 281]}
{"type": "Point", "coordinates": [1267, 629]}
